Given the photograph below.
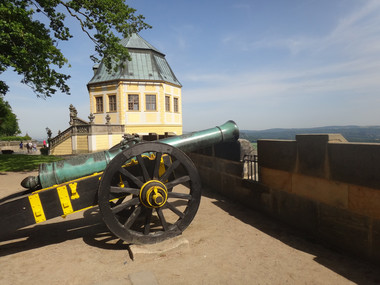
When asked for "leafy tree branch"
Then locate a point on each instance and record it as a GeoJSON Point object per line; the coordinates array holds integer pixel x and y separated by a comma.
{"type": "Point", "coordinates": [30, 48]}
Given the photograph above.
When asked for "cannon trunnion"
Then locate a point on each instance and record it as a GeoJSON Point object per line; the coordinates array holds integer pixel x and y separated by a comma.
{"type": "Point", "coordinates": [148, 191]}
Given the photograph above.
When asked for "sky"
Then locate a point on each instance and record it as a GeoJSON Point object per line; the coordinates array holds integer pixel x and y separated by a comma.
{"type": "Point", "coordinates": [264, 64]}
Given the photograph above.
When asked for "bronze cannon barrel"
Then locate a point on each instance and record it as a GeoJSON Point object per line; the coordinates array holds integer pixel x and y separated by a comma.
{"type": "Point", "coordinates": [83, 165]}
{"type": "Point", "coordinates": [229, 131]}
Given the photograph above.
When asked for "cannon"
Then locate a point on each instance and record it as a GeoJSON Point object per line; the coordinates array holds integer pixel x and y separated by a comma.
{"type": "Point", "coordinates": [135, 184]}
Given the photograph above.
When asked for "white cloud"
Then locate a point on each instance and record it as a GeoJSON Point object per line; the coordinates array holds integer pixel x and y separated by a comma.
{"type": "Point", "coordinates": [353, 76]}
{"type": "Point", "coordinates": [355, 34]}
{"type": "Point", "coordinates": [345, 60]}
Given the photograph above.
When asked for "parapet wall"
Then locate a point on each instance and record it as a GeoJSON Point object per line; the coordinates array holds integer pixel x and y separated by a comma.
{"type": "Point", "coordinates": [321, 184]}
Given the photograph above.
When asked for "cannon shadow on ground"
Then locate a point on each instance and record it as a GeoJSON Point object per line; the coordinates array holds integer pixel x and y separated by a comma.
{"type": "Point", "coordinates": [89, 226]}
{"type": "Point", "coordinates": [356, 270]}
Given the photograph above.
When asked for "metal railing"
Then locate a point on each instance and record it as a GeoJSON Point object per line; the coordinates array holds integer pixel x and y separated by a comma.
{"type": "Point", "coordinates": [251, 168]}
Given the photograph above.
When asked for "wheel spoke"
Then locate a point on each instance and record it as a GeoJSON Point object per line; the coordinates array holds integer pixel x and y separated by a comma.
{"type": "Point", "coordinates": [170, 170]}
{"type": "Point", "coordinates": [143, 167]}
{"type": "Point", "coordinates": [157, 165]}
{"type": "Point", "coordinates": [177, 181]}
{"type": "Point", "coordinates": [125, 205]}
{"type": "Point", "coordinates": [162, 219]}
{"type": "Point", "coordinates": [175, 210]}
{"type": "Point", "coordinates": [123, 190]}
{"type": "Point", "coordinates": [132, 218]}
{"type": "Point", "coordinates": [118, 202]}
{"type": "Point", "coordinates": [179, 195]}
{"type": "Point", "coordinates": [135, 180]}
{"type": "Point", "coordinates": [148, 219]}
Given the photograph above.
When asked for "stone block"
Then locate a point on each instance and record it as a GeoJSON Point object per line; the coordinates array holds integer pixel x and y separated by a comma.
{"type": "Point", "coordinates": [265, 199]}
{"type": "Point", "coordinates": [364, 200]}
{"type": "Point", "coordinates": [321, 190]}
{"type": "Point", "coordinates": [312, 154]}
{"type": "Point", "coordinates": [296, 211]}
{"type": "Point", "coordinates": [228, 150]}
{"type": "Point", "coordinates": [231, 167]}
{"type": "Point", "coordinates": [229, 183]}
{"type": "Point", "coordinates": [210, 178]}
{"type": "Point", "coordinates": [199, 159]}
{"type": "Point", "coordinates": [243, 195]}
{"type": "Point", "coordinates": [209, 162]}
{"type": "Point", "coordinates": [256, 196]}
{"type": "Point", "coordinates": [355, 163]}
{"type": "Point", "coordinates": [217, 164]}
{"type": "Point", "coordinates": [375, 250]}
{"type": "Point", "coordinates": [276, 179]}
{"type": "Point", "coordinates": [344, 230]}
{"type": "Point", "coordinates": [277, 154]}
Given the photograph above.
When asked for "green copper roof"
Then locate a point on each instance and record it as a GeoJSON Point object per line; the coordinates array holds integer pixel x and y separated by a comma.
{"type": "Point", "coordinates": [147, 64]}
{"type": "Point", "coordinates": [137, 42]}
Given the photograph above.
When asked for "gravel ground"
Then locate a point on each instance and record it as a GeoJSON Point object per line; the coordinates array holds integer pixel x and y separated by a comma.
{"type": "Point", "coordinates": [225, 244]}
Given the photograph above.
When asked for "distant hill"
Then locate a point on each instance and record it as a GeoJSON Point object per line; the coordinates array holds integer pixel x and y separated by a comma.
{"type": "Point", "coordinates": [351, 133]}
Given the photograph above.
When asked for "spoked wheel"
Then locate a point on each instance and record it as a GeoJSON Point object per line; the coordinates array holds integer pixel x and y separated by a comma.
{"type": "Point", "coordinates": [149, 192]}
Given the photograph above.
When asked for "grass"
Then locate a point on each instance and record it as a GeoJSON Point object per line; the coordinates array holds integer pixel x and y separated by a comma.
{"type": "Point", "coordinates": [24, 162]}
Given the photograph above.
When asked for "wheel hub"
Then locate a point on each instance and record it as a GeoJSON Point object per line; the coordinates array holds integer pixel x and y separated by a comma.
{"type": "Point", "coordinates": [153, 194]}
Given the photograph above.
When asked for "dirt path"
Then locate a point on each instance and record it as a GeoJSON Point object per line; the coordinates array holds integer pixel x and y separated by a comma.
{"type": "Point", "coordinates": [228, 244]}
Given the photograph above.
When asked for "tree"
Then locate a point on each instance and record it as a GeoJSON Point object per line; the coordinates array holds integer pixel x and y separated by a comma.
{"type": "Point", "coordinates": [8, 120]}
{"type": "Point", "coordinates": [30, 48]}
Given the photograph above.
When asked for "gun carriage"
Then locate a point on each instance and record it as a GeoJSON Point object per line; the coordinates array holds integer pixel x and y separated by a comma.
{"type": "Point", "coordinates": [135, 184]}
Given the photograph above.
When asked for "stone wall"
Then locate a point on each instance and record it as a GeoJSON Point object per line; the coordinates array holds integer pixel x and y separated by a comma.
{"type": "Point", "coordinates": [15, 146]}
{"type": "Point", "coordinates": [320, 184]}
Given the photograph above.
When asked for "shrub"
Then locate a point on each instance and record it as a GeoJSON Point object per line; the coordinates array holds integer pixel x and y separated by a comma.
{"type": "Point", "coordinates": [44, 150]}
{"type": "Point", "coordinates": [16, 138]}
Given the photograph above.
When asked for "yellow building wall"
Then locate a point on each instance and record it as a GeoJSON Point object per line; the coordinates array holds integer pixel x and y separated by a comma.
{"type": "Point", "coordinates": [102, 142]}
{"type": "Point", "coordinates": [134, 117]}
{"type": "Point", "coordinates": [104, 92]}
{"type": "Point", "coordinates": [150, 87]}
{"type": "Point", "coordinates": [132, 87]}
{"type": "Point", "coordinates": [151, 117]}
{"type": "Point", "coordinates": [161, 104]}
{"type": "Point", "coordinates": [121, 101]}
{"type": "Point", "coordinates": [114, 118]}
{"type": "Point", "coordinates": [63, 148]}
{"type": "Point", "coordinates": [141, 121]}
{"type": "Point", "coordinates": [82, 144]}
{"type": "Point", "coordinates": [159, 121]}
{"type": "Point", "coordinates": [116, 139]}
{"type": "Point", "coordinates": [167, 88]}
{"type": "Point", "coordinates": [99, 119]}
{"type": "Point", "coordinates": [143, 129]}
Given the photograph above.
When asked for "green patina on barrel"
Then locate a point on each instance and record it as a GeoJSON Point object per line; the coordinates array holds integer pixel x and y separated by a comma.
{"type": "Point", "coordinates": [229, 131]}
{"type": "Point", "coordinates": [82, 165]}
{"type": "Point", "coordinates": [66, 170]}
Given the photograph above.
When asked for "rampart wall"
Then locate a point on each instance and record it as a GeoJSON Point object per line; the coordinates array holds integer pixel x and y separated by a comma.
{"type": "Point", "coordinates": [320, 184]}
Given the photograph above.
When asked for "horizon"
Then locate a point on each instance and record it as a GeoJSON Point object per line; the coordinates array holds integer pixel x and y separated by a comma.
{"type": "Point", "coordinates": [321, 127]}
{"type": "Point", "coordinates": [263, 64]}
{"type": "Point", "coordinates": [263, 130]}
